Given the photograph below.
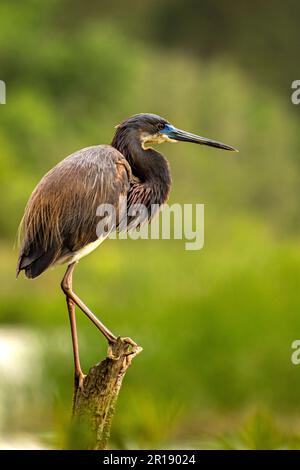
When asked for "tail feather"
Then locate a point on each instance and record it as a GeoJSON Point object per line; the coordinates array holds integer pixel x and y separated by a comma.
{"type": "Point", "coordinates": [35, 261]}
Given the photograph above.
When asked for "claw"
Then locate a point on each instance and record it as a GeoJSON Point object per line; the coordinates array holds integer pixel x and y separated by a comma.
{"type": "Point", "coordinates": [135, 348]}
{"type": "Point", "coordinates": [129, 341]}
{"type": "Point", "coordinates": [110, 353]}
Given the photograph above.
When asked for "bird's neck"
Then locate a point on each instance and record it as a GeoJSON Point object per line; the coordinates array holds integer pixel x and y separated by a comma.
{"type": "Point", "coordinates": [149, 166]}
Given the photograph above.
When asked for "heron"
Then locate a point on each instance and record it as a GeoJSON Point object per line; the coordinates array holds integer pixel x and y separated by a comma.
{"type": "Point", "coordinates": [59, 224]}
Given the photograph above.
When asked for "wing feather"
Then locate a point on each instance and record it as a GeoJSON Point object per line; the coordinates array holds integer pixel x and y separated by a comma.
{"type": "Point", "coordinates": [60, 217]}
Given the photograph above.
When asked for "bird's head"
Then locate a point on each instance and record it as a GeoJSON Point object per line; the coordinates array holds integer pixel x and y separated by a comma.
{"type": "Point", "coordinates": [153, 129]}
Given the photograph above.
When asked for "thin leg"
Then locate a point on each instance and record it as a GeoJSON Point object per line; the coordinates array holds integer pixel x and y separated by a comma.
{"type": "Point", "coordinates": [78, 371]}
{"type": "Point", "coordinates": [67, 288]}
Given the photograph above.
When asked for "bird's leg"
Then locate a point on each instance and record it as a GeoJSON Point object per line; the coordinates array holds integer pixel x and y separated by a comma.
{"type": "Point", "coordinates": [79, 375]}
{"type": "Point", "coordinates": [67, 288]}
{"type": "Point", "coordinates": [111, 338]}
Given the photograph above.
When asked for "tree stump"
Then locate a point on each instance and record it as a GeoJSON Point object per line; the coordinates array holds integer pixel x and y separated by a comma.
{"type": "Point", "coordinates": [94, 402]}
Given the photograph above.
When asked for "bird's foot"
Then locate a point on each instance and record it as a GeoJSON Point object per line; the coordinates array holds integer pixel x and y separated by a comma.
{"type": "Point", "coordinates": [110, 353]}
{"type": "Point", "coordinates": [133, 349]}
{"type": "Point", "coordinates": [79, 380]}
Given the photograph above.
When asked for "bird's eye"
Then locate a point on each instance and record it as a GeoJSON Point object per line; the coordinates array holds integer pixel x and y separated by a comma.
{"type": "Point", "coordinates": [160, 126]}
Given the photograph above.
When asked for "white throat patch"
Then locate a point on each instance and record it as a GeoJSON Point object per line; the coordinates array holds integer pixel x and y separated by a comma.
{"type": "Point", "coordinates": [148, 139]}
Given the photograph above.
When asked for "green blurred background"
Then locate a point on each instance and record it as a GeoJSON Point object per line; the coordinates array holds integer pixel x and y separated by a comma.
{"type": "Point", "coordinates": [217, 324]}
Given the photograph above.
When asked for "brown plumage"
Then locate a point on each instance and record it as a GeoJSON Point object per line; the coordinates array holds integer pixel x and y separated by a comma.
{"type": "Point", "coordinates": [60, 217]}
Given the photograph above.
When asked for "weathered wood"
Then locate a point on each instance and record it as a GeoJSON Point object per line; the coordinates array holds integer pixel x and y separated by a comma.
{"type": "Point", "coordinates": [94, 402]}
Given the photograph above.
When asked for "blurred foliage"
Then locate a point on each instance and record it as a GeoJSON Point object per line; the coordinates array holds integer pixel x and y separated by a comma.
{"type": "Point", "coordinates": [216, 325]}
{"type": "Point", "coordinates": [259, 431]}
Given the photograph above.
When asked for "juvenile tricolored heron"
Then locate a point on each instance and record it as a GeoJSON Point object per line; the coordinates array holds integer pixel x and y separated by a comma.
{"type": "Point", "coordinates": [60, 221]}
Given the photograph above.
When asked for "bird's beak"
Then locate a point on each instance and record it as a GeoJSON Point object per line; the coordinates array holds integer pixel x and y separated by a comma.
{"type": "Point", "coordinates": [178, 135]}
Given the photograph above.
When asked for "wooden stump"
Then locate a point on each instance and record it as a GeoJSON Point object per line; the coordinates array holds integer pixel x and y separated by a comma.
{"type": "Point", "coordinates": [94, 403]}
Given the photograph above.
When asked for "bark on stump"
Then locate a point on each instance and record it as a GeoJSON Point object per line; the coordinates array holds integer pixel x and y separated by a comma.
{"type": "Point", "coordinates": [94, 403]}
